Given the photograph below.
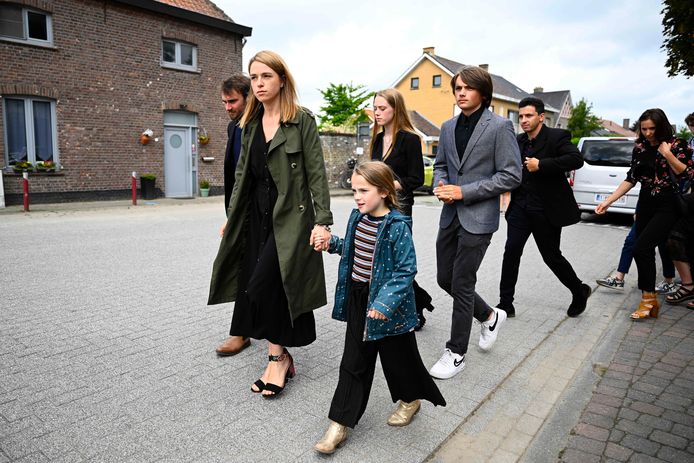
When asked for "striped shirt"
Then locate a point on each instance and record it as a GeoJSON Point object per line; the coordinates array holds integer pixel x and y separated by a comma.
{"type": "Point", "coordinates": [364, 244]}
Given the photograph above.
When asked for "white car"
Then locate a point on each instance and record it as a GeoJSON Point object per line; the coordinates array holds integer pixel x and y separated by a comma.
{"type": "Point", "coordinates": [606, 162]}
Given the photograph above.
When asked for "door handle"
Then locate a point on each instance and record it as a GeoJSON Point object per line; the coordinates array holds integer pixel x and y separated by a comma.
{"type": "Point", "coordinates": [612, 175]}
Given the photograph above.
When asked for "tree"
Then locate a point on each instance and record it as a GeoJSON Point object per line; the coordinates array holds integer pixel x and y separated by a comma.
{"type": "Point", "coordinates": [344, 104]}
{"type": "Point", "coordinates": [582, 120]}
{"type": "Point", "coordinates": [684, 133]}
{"type": "Point", "coordinates": [678, 33]}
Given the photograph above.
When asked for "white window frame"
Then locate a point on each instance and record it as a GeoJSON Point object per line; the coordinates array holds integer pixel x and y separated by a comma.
{"type": "Point", "coordinates": [29, 127]}
{"type": "Point", "coordinates": [178, 64]}
{"type": "Point", "coordinates": [25, 31]}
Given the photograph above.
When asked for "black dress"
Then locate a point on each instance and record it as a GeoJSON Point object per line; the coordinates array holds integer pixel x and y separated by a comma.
{"type": "Point", "coordinates": [261, 310]}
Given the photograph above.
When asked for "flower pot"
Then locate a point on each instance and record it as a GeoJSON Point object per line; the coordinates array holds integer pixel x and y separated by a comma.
{"type": "Point", "coordinates": [204, 192]}
{"type": "Point", "coordinates": [147, 190]}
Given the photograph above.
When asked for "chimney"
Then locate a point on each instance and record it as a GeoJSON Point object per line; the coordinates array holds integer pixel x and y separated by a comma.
{"type": "Point", "coordinates": [538, 90]}
{"type": "Point", "coordinates": [485, 67]}
{"type": "Point", "coordinates": [625, 123]}
{"type": "Point", "coordinates": [429, 50]}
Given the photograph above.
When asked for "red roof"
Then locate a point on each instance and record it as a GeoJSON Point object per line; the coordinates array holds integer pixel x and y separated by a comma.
{"type": "Point", "coordinates": [205, 7]}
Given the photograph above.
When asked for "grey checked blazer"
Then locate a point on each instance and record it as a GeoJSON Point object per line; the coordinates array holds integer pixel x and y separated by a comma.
{"type": "Point", "coordinates": [490, 166]}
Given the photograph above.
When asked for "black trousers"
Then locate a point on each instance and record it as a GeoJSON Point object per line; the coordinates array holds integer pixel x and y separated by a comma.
{"type": "Point", "coordinates": [654, 220]}
{"type": "Point", "coordinates": [523, 222]}
{"type": "Point", "coordinates": [459, 255]}
{"type": "Point", "coordinates": [406, 375]}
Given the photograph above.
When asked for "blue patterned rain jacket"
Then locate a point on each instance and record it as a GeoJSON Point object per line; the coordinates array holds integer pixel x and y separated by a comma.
{"type": "Point", "coordinates": [394, 268]}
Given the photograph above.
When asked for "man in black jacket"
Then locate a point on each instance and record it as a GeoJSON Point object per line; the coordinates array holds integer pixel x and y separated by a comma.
{"type": "Point", "coordinates": [542, 205]}
{"type": "Point", "coordinates": [234, 93]}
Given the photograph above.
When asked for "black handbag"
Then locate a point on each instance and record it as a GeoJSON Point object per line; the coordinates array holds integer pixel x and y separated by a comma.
{"type": "Point", "coordinates": [683, 200]}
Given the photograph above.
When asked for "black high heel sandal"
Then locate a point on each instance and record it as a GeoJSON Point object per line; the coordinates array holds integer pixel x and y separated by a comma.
{"type": "Point", "coordinates": [260, 385]}
{"type": "Point", "coordinates": [291, 371]}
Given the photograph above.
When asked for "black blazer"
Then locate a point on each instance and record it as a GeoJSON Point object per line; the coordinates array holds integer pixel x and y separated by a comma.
{"type": "Point", "coordinates": [405, 160]}
{"type": "Point", "coordinates": [231, 157]}
{"type": "Point", "coordinates": [557, 155]}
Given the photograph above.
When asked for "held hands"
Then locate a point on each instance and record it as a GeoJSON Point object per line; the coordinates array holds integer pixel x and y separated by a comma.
{"type": "Point", "coordinates": [532, 164]}
{"type": "Point", "coordinates": [375, 314]}
{"type": "Point", "coordinates": [448, 193]}
{"type": "Point", "coordinates": [320, 238]}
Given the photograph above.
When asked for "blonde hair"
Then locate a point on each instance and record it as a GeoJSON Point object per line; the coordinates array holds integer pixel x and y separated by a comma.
{"type": "Point", "coordinates": [289, 102]}
{"type": "Point", "coordinates": [401, 119]}
{"type": "Point", "coordinates": [380, 175]}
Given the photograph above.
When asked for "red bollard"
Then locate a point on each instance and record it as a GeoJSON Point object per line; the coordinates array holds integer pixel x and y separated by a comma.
{"type": "Point", "coordinates": [134, 187]}
{"type": "Point", "coordinates": [25, 186]}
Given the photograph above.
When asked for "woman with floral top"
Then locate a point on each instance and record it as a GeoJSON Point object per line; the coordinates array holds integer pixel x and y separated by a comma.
{"type": "Point", "coordinates": [656, 154]}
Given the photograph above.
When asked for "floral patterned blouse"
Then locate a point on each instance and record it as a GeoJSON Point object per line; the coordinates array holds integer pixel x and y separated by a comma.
{"type": "Point", "coordinates": [652, 169]}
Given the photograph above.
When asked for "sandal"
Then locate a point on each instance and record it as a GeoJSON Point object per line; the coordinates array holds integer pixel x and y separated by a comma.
{"type": "Point", "coordinates": [690, 305]}
{"type": "Point", "coordinates": [648, 307]}
{"type": "Point", "coordinates": [681, 295]}
{"type": "Point", "coordinates": [260, 385]}
{"type": "Point", "coordinates": [291, 371]}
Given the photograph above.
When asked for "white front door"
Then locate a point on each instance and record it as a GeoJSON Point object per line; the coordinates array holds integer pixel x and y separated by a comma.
{"type": "Point", "coordinates": [178, 161]}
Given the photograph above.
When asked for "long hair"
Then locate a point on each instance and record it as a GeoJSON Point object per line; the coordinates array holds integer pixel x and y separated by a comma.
{"type": "Point", "coordinates": [378, 174]}
{"type": "Point", "coordinates": [663, 129]}
{"type": "Point", "coordinates": [289, 102]}
{"type": "Point", "coordinates": [478, 79]}
{"type": "Point", "coordinates": [401, 119]}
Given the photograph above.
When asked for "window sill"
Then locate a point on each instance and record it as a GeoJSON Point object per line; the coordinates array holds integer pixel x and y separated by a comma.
{"type": "Point", "coordinates": [12, 173]}
{"type": "Point", "coordinates": [30, 43]}
{"type": "Point", "coordinates": [180, 68]}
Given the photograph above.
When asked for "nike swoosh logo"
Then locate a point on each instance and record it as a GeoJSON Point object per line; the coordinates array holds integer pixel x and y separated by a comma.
{"type": "Point", "coordinates": [491, 328]}
{"type": "Point", "coordinates": [457, 363]}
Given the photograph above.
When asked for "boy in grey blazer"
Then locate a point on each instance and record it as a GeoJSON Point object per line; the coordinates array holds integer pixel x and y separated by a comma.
{"type": "Point", "coordinates": [477, 160]}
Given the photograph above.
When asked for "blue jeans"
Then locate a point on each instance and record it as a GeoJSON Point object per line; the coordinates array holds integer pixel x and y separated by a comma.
{"type": "Point", "coordinates": [627, 251]}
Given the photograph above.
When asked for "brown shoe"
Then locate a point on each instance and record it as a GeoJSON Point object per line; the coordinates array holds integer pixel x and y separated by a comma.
{"type": "Point", "coordinates": [233, 345]}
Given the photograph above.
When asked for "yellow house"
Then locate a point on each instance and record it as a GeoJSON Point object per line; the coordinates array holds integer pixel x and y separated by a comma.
{"type": "Point", "coordinates": [425, 85]}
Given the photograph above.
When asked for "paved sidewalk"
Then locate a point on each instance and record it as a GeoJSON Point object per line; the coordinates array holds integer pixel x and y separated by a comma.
{"type": "Point", "coordinates": [642, 408]}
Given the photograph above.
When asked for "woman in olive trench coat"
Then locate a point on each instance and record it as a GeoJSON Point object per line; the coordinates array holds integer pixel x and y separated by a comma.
{"type": "Point", "coordinates": [281, 168]}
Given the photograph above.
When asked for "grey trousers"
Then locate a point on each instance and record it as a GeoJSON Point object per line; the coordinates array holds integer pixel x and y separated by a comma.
{"type": "Point", "coordinates": [458, 256]}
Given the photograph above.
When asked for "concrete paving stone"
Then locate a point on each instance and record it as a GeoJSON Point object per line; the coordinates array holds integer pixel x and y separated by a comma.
{"type": "Point", "coordinates": [516, 442]}
{"type": "Point", "coordinates": [648, 388]}
{"type": "Point", "coordinates": [627, 414]}
{"type": "Point", "coordinates": [678, 417]}
{"type": "Point", "coordinates": [632, 427]}
{"type": "Point", "coordinates": [617, 452]}
{"type": "Point", "coordinates": [611, 391]}
{"type": "Point", "coordinates": [663, 366]}
{"type": "Point", "coordinates": [678, 390]}
{"type": "Point", "coordinates": [640, 444]}
{"type": "Point", "coordinates": [640, 458]}
{"type": "Point", "coordinates": [573, 455]}
{"type": "Point", "coordinates": [600, 409]}
{"type": "Point", "coordinates": [674, 455]}
{"type": "Point", "coordinates": [592, 432]}
{"type": "Point", "coordinates": [655, 422]}
{"type": "Point", "coordinates": [617, 366]}
{"type": "Point", "coordinates": [597, 420]}
{"type": "Point", "coordinates": [540, 408]}
{"type": "Point", "coordinates": [618, 375]}
{"type": "Point", "coordinates": [641, 396]}
{"type": "Point", "coordinates": [685, 431]}
{"type": "Point", "coordinates": [669, 439]}
{"type": "Point", "coordinates": [643, 407]}
{"type": "Point", "coordinates": [36, 457]}
{"type": "Point", "coordinates": [585, 444]}
{"type": "Point", "coordinates": [607, 400]}
{"type": "Point", "coordinates": [654, 379]}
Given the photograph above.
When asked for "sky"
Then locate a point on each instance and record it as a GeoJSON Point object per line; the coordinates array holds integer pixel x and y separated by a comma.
{"type": "Point", "coordinates": [606, 52]}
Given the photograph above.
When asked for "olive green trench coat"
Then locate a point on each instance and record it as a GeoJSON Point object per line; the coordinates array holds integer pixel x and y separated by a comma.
{"type": "Point", "coordinates": [295, 161]}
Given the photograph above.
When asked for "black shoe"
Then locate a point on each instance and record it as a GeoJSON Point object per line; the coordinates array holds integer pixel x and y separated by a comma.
{"type": "Point", "coordinates": [509, 309]}
{"type": "Point", "coordinates": [578, 304]}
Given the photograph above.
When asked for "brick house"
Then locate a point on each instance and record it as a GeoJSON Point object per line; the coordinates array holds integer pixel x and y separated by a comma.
{"type": "Point", "coordinates": [81, 80]}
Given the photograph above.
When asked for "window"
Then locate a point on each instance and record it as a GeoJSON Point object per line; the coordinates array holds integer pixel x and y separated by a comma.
{"type": "Point", "coordinates": [179, 55]}
{"type": "Point", "coordinates": [414, 83]}
{"type": "Point", "coordinates": [436, 81]}
{"type": "Point", "coordinates": [513, 116]}
{"type": "Point", "coordinates": [22, 24]}
{"type": "Point", "coordinates": [30, 130]}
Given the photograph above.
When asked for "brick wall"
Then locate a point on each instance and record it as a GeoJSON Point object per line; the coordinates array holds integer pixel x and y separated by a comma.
{"type": "Point", "coordinates": [337, 149]}
{"type": "Point", "coordinates": [104, 73]}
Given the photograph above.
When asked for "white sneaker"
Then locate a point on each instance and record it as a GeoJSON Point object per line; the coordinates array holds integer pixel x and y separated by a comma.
{"type": "Point", "coordinates": [490, 329]}
{"type": "Point", "coordinates": [664, 287]}
{"type": "Point", "coordinates": [449, 365]}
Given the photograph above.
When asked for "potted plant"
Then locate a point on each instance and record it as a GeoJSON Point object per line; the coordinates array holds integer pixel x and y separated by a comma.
{"type": "Point", "coordinates": [147, 182]}
{"type": "Point", "coordinates": [45, 166]}
{"type": "Point", "coordinates": [23, 166]}
{"type": "Point", "coordinates": [203, 138]}
{"type": "Point", "coordinates": [204, 188]}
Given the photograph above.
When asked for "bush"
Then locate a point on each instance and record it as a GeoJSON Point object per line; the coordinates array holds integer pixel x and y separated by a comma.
{"type": "Point", "coordinates": [148, 177]}
{"type": "Point", "coordinates": [204, 184]}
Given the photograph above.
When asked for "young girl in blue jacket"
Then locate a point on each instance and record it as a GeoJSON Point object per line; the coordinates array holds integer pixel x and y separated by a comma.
{"type": "Point", "coordinates": [374, 296]}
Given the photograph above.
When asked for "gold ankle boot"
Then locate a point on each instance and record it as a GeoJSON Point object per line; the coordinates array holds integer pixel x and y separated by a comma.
{"type": "Point", "coordinates": [403, 415]}
{"type": "Point", "coordinates": [333, 438]}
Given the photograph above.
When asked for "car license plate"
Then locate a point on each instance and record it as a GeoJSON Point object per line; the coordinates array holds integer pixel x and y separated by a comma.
{"type": "Point", "coordinates": [602, 197]}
